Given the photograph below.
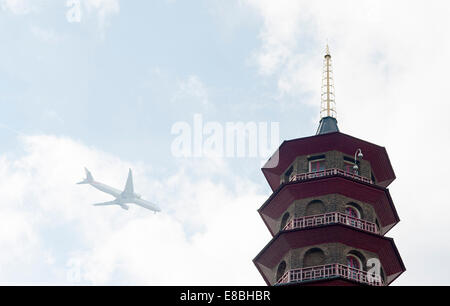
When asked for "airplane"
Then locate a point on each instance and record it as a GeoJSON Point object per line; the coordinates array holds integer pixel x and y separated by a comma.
{"type": "Point", "coordinates": [128, 196]}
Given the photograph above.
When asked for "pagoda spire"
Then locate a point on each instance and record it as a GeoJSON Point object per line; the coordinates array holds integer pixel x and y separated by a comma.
{"type": "Point", "coordinates": [328, 106]}
{"type": "Point", "coordinates": [328, 122]}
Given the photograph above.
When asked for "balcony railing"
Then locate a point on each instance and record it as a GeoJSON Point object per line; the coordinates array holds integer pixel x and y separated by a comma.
{"type": "Point", "coordinates": [328, 172]}
{"type": "Point", "coordinates": [329, 271]}
{"type": "Point", "coordinates": [331, 218]}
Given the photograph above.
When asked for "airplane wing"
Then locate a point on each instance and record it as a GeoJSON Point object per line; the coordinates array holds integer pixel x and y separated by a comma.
{"type": "Point", "coordinates": [129, 189]}
{"type": "Point", "coordinates": [106, 203]}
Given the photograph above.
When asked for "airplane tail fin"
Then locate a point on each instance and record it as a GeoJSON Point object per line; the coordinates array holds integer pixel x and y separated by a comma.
{"type": "Point", "coordinates": [129, 189]}
{"type": "Point", "coordinates": [89, 179]}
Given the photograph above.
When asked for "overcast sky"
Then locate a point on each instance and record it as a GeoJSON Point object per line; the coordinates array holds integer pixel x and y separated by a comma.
{"type": "Point", "coordinates": [101, 83]}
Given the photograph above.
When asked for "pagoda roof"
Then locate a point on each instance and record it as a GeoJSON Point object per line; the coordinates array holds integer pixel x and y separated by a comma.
{"type": "Point", "coordinates": [289, 150]}
{"type": "Point", "coordinates": [286, 241]}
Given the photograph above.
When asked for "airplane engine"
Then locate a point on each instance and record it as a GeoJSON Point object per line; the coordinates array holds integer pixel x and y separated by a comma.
{"type": "Point", "coordinates": [124, 206]}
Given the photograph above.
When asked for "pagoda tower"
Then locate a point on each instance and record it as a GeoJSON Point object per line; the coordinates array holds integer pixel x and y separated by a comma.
{"type": "Point", "coordinates": [330, 208]}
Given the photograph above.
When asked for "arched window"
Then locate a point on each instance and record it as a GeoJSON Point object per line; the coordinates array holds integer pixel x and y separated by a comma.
{"type": "Point", "coordinates": [313, 257]}
{"type": "Point", "coordinates": [284, 220]}
{"type": "Point", "coordinates": [354, 214]}
{"type": "Point", "coordinates": [315, 207]}
{"type": "Point", "coordinates": [354, 263]}
{"type": "Point", "coordinates": [281, 270]}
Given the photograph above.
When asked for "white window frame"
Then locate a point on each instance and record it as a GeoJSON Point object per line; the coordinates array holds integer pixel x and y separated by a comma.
{"type": "Point", "coordinates": [314, 161]}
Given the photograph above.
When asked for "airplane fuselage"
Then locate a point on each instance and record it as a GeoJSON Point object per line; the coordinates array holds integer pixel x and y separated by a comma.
{"type": "Point", "coordinates": [115, 192]}
{"type": "Point", "coordinates": [107, 189]}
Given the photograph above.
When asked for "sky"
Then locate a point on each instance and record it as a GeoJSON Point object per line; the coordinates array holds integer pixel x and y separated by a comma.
{"type": "Point", "coordinates": [104, 84]}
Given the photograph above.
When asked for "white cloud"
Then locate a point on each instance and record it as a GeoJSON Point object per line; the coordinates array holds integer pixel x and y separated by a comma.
{"type": "Point", "coordinates": [104, 9]}
{"type": "Point", "coordinates": [52, 115]}
{"type": "Point", "coordinates": [376, 46]}
{"type": "Point", "coordinates": [45, 35]}
{"type": "Point", "coordinates": [19, 7]}
{"type": "Point", "coordinates": [192, 87]}
{"type": "Point", "coordinates": [208, 232]}
{"type": "Point", "coordinates": [75, 11]}
{"type": "Point", "coordinates": [391, 84]}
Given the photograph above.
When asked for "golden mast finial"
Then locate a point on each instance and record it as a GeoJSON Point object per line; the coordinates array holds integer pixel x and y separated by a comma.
{"type": "Point", "coordinates": [328, 104]}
